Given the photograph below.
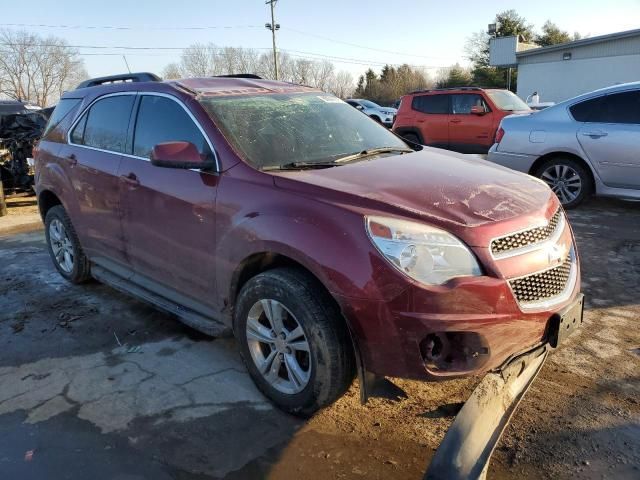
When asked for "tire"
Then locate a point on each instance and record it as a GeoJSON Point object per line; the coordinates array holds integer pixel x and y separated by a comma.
{"type": "Point", "coordinates": [412, 137]}
{"type": "Point", "coordinates": [376, 118]}
{"type": "Point", "coordinates": [323, 373]}
{"type": "Point", "coordinates": [568, 179]}
{"type": "Point", "coordinates": [61, 236]}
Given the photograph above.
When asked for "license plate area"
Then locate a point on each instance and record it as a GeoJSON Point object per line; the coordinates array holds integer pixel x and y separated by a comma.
{"type": "Point", "coordinates": [565, 322]}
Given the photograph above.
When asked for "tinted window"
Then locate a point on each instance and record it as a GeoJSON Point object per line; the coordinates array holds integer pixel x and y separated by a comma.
{"type": "Point", "coordinates": [617, 108]}
{"type": "Point", "coordinates": [461, 103]}
{"type": "Point", "coordinates": [161, 120]}
{"type": "Point", "coordinates": [583, 111]}
{"type": "Point", "coordinates": [431, 103]}
{"type": "Point", "coordinates": [62, 110]}
{"type": "Point", "coordinates": [106, 124]}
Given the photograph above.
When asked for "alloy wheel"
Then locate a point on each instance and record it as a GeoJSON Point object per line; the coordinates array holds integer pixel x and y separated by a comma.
{"type": "Point", "coordinates": [278, 346]}
{"type": "Point", "coordinates": [61, 245]}
{"type": "Point", "coordinates": [564, 181]}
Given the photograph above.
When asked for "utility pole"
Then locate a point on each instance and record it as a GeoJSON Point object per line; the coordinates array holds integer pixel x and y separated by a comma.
{"type": "Point", "coordinates": [273, 26]}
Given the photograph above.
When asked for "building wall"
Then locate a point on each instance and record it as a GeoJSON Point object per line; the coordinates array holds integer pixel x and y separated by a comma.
{"type": "Point", "coordinates": [559, 80]}
{"type": "Point", "coordinates": [607, 48]}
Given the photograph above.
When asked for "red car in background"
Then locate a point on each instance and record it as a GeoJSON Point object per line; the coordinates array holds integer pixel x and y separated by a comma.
{"type": "Point", "coordinates": [323, 241]}
{"type": "Point", "coordinates": [463, 119]}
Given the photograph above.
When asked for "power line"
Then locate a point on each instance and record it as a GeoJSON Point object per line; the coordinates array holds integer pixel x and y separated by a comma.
{"type": "Point", "coordinates": [125, 27]}
{"type": "Point", "coordinates": [308, 34]}
{"type": "Point", "coordinates": [213, 27]}
{"type": "Point", "coordinates": [293, 52]}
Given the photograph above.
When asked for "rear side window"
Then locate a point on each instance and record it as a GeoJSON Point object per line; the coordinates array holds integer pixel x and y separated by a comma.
{"type": "Point", "coordinates": [615, 108]}
{"type": "Point", "coordinates": [105, 125]}
{"type": "Point", "coordinates": [60, 112]}
{"type": "Point", "coordinates": [161, 119]}
{"type": "Point", "coordinates": [583, 111]}
{"type": "Point", "coordinates": [434, 104]}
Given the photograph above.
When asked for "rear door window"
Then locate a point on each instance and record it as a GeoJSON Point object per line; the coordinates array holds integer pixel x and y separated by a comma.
{"type": "Point", "coordinates": [619, 108]}
{"type": "Point", "coordinates": [105, 125]}
{"type": "Point", "coordinates": [432, 104]}
{"type": "Point", "coordinates": [162, 119]}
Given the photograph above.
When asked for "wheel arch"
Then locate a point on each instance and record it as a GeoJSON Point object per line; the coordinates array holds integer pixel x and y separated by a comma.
{"type": "Point", "coordinates": [46, 200]}
{"type": "Point", "coordinates": [261, 262]}
{"type": "Point", "coordinates": [548, 156]}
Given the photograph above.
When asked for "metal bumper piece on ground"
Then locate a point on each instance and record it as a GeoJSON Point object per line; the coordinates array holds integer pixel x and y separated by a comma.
{"type": "Point", "coordinates": [467, 447]}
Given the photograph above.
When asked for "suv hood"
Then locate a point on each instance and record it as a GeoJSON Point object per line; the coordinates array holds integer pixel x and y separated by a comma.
{"type": "Point", "coordinates": [434, 184]}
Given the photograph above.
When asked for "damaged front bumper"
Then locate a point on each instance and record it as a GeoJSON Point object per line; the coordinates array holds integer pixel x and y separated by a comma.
{"type": "Point", "coordinates": [468, 444]}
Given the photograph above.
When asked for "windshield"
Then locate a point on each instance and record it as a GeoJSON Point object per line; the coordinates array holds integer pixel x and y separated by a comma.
{"type": "Point", "coordinates": [369, 104]}
{"type": "Point", "coordinates": [506, 100]}
{"type": "Point", "coordinates": [274, 130]}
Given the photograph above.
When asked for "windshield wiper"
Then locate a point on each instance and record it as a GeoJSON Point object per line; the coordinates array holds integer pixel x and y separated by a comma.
{"type": "Point", "coordinates": [370, 152]}
{"type": "Point", "coordinates": [300, 165]}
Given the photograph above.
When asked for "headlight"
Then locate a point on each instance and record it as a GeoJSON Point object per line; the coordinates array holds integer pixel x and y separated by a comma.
{"type": "Point", "coordinates": [426, 254]}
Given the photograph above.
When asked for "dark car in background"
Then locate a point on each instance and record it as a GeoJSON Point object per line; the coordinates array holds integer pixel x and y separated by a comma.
{"type": "Point", "coordinates": [319, 238]}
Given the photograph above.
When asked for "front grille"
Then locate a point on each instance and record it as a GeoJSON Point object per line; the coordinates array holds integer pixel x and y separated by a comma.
{"type": "Point", "coordinates": [543, 285]}
{"type": "Point", "coordinates": [528, 237]}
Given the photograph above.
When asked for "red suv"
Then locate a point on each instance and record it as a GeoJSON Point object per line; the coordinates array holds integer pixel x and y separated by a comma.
{"type": "Point", "coordinates": [461, 119]}
{"type": "Point", "coordinates": [318, 237]}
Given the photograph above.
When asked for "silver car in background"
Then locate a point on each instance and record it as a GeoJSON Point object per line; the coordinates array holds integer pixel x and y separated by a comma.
{"type": "Point", "coordinates": [384, 115]}
{"type": "Point", "coordinates": [589, 144]}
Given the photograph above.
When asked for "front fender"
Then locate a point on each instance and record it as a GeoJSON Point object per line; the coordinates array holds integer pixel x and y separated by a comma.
{"type": "Point", "coordinates": [328, 248]}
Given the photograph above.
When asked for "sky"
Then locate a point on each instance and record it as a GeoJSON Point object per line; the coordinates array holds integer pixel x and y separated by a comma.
{"type": "Point", "coordinates": [361, 33]}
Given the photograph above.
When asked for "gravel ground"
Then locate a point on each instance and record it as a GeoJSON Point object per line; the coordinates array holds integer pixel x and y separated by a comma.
{"type": "Point", "coordinates": [96, 385]}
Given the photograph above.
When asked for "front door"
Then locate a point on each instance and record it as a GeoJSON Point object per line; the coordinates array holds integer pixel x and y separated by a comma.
{"type": "Point", "coordinates": [93, 155]}
{"type": "Point", "coordinates": [470, 132]}
{"type": "Point", "coordinates": [168, 214]}
{"type": "Point", "coordinates": [611, 136]}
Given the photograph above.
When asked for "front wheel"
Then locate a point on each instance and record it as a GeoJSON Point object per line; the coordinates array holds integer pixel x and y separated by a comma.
{"type": "Point", "coordinates": [568, 179]}
{"type": "Point", "coordinates": [293, 341]}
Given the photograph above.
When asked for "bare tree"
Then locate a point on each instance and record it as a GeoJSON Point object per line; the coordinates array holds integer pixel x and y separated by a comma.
{"type": "Point", "coordinates": [172, 71]}
{"type": "Point", "coordinates": [342, 85]}
{"type": "Point", "coordinates": [36, 69]}
{"type": "Point", "coordinates": [201, 60]}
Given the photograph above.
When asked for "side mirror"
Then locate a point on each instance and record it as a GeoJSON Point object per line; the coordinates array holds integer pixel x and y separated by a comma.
{"type": "Point", "coordinates": [477, 110]}
{"type": "Point", "coordinates": [180, 155]}
{"type": "Point", "coordinates": [360, 107]}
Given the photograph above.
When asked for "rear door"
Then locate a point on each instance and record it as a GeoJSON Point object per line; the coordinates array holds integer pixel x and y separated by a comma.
{"type": "Point", "coordinates": [609, 134]}
{"type": "Point", "coordinates": [168, 213]}
{"type": "Point", "coordinates": [470, 133]}
{"type": "Point", "coordinates": [93, 155]}
{"type": "Point", "coordinates": [432, 118]}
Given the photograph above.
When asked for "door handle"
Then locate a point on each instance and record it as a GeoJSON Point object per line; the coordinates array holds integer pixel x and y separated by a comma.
{"type": "Point", "coordinates": [71, 159]}
{"type": "Point", "coordinates": [455, 121]}
{"type": "Point", "coordinates": [596, 134]}
{"type": "Point", "coordinates": [131, 179]}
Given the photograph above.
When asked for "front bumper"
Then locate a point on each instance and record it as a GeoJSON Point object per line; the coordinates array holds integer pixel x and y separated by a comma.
{"type": "Point", "coordinates": [470, 326]}
{"type": "Point", "coordinates": [515, 161]}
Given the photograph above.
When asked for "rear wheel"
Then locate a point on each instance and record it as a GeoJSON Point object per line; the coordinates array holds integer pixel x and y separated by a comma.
{"type": "Point", "coordinates": [64, 246]}
{"type": "Point", "coordinates": [567, 178]}
{"type": "Point", "coordinates": [293, 341]}
{"type": "Point", "coordinates": [412, 137]}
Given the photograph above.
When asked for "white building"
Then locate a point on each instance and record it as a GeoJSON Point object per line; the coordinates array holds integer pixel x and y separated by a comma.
{"type": "Point", "coordinates": [562, 71]}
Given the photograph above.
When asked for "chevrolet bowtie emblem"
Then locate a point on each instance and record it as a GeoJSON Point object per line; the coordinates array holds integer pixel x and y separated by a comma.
{"type": "Point", "coordinates": [555, 254]}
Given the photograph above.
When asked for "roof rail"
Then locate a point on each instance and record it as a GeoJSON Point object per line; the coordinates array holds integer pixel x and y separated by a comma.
{"type": "Point", "coordinates": [446, 89]}
{"type": "Point", "coordinates": [125, 77]}
{"type": "Point", "coordinates": [240, 75]}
